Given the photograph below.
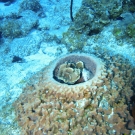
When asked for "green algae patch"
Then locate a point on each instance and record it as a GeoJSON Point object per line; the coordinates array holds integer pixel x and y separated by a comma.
{"type": "Point", "coordinates": [130, 30]}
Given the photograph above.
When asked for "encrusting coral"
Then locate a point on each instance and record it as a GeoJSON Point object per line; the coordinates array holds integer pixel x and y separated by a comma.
{"type": "Point", "coordinates": [98, 105]}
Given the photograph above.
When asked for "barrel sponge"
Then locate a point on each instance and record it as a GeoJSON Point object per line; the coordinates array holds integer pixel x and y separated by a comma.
{"type": "Point", "coordinates": [92, 103]}
{"type": "Point", "coordinates": [76, 64]}
{"type": "Point", "coordinates": [93, 64]}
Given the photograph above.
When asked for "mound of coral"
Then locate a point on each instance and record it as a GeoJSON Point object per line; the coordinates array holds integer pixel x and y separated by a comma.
{"type": "Point", "coordinates": [98, 105]}
{"type": "Point", "coordinates": [92, 17]}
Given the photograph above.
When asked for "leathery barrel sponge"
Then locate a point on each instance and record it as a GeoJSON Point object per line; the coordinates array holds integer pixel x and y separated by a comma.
{"type": "Point", "coordinates": [78, 94]}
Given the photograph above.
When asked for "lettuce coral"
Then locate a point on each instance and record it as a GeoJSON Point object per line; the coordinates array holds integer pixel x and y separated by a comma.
{"type": "Point", "coordinates": [68, 73]}
{"type": "Point", "coordinates": [72, 73]}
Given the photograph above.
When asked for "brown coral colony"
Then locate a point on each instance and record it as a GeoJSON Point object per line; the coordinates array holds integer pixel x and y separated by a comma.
{"type": "Point", "coordinates": [72, 73]}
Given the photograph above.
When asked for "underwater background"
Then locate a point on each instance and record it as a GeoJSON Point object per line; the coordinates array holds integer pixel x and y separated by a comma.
{"type": "Point", "coordinates": [36, 34]}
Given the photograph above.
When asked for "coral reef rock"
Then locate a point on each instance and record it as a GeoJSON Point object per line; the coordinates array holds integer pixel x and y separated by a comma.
{"type": "Point", "coordinates": [98, 105]}
{"type": "Point", "coordinates": [30, 5]}
{"type": "Point", "coordinates": [25, 46]}
{"type": "Point", "coordinates": [13, 27]}
{"type": "Point", "coordinates": [92, 17]}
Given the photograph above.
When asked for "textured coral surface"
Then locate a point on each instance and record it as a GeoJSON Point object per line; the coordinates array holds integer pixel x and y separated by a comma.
{"type": "Point", "coordinates": [90, 20]}
{"type": "Point", "coordinates": [73, 72]}
{"type": "Point", "coordinates": [68, 73]}
{"type": "Point", "coordinates": [98, 106]}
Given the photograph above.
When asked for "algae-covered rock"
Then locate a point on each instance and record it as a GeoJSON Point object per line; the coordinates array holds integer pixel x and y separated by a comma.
{"type": "Point", "coordinates": [91, 18]}
{"type": "Point", "coordinates": [20, 26]}
{"type": "Point", "coordinates": [125, 28]}
{"type": "Point", "coordinates": [130, 30]}
{"type": "Point", "coordinates": [28, 21]}
{"type": "Point", "coordinates": [73, 40]}
{"type": "Point", "coordinates": [118, 32]}
{"type": "Point", "coordinates": [25, 46]}
{"type": "Point", "coordinates": [10, 28]}
{"type": "Point", "coordinates": [33, 5]}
